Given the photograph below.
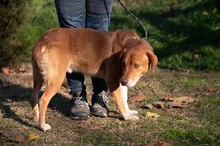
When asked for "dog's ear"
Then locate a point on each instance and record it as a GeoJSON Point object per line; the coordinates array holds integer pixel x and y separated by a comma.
{"type": "Point", "coordinates": [152, 61]}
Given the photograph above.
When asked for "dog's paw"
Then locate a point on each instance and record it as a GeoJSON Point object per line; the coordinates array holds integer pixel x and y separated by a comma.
{"type": "Point", "coordinates": [45, 127]}
{"type": "Point", "coordinates": [131, 115]}
{"type": "Point", "coordinates": [133, 112]}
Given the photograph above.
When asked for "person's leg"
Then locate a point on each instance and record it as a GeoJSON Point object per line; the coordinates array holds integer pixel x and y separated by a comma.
{"type": "Point", "coordinates": [98, 14]}
{"type": "Point", "coordinates": [71, 15]}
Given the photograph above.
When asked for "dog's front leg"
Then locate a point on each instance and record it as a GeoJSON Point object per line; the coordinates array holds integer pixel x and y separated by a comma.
{"type": "Point", "coordinates": [120, 96]}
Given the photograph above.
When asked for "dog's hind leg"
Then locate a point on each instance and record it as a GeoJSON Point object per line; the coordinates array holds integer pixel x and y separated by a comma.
{"type": "Point", "coordinates": [38, 81]}
{"type": "Point", "coordinates": [53, 84]}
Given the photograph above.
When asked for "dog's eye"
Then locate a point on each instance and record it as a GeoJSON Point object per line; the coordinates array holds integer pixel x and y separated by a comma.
{"type": "Point", "coordinates": [136, 65]}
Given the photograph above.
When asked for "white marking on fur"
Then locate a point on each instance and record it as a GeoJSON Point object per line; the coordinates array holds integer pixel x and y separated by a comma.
{"type": "Point", "coordinates": [69, 70]}
{"type": "Point", "coordinates": [43, 49]}
{"type": "Point", "coordinates": [135, 38]}
{"type": "Point", "coordinates": [124, 94]}
{"type": "Point", "coordinates": [72, 68]}
{"type": "Point", "coordinates": [44, 127]}
{"type": "Point", "coordinates": [132, 83]}
{"type": "Point", "coordinates": [130, 114]}
{"type": "Point", "coordinates": [43, 63]}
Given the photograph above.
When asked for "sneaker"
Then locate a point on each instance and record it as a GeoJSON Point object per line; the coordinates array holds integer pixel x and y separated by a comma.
{"type": "Point", "coordinates": [79, 109]}
{"type": "Point", "coordinates": [100, 104]}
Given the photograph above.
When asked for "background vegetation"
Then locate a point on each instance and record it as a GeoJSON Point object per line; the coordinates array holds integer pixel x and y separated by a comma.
{"type": "Point", "coordinates": [12, 46]}
{"type": "Point", "coordinates": [185, 34]}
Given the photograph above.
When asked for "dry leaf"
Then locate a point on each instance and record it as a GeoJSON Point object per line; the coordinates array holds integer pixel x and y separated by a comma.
{"type": "Point", "coordinates": [169, 98]}
{"type": "Point", "coordinates": [158, 104]}
{"type": "Point", "coordinates": [183, 99]}
{"type": "Point", "coordinates": [18, 138]}
{"type": "Point", "coordinates": [175, 105]}
{"type": "Point", "coordinates": [159, 143]}
{"type": "Point", "coordinates": [148, 106]}
{"type": "Point", "coordinates": [22, 138]}
{"type": "Point", "coordinates": [21, 70]}
{"type": "Point", "coordinates": [6, 70]}
{"type": "Point", "coordinates": [211, 90]}
{"type": "Point", "coordinates": [30, 137]}
{"type": "Point", "coordinates": [136, 99]}
{"type": "Point", "coordinates": [152, 115]}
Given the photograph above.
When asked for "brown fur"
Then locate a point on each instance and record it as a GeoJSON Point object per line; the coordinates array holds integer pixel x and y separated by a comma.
{"type": "Point", "coordinates": [119, 57]}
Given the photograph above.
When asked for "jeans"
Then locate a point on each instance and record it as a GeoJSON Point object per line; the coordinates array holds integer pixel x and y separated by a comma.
{"type": "Point", "coordinates": [97, 16]}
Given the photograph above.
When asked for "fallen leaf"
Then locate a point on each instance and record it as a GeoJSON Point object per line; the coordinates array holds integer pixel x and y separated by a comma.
{"type": "Point", "coordinates": [148, 106]}
{"type": "Point", "coordinates": [30, 137]}
{"type": "Point", "coordinates": [159, 143]}
{"type": "Point", "coordinates": [6, 70]}
{"type": "Point", "coordinates": [183, 99]}
{"type": "Point", "coordinates": [211, 90]}
{"type": "Point", "coordinates": [22, 70]}
{"type": "Point", "coordinates": [169, 98]}
{"type": "Point", "coordinates": [17, 137]}
{"type": "Point", "coordinates": [21, 138]}
{"type": "Point", "coordinates": [175, 105]}
{"type": "Point", "coordinates": [152, 115]}
{"type": "Point", "coordinates": [158, 104]}
{"type": "Point", "coordinates": [136, 99]}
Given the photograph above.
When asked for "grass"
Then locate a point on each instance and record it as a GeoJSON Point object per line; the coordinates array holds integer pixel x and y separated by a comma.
{"type": "Point", "coordinates": [185, 37]}
{"type": "Point", "coordinates": [198, 124]}
{"type": "Point", "coordinates": [184, 34]}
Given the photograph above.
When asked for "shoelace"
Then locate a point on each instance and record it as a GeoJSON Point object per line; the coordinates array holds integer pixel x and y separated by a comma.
{"type": "Point", "coordinates": [79, 102]}
{"type": "Point", "coordinates": [105, 100]}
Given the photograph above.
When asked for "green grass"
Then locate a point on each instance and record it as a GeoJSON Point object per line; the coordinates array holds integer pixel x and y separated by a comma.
{"type": "Point", "coordinates": [184, 34]}
{"type": "Point", "coordinates": [185, 37]}
{"type": "Point", "coordinates": [198, 124]}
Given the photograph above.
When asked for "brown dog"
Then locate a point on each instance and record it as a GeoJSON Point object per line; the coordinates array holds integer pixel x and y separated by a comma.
{"type": "Point", "coordinates": [119, 57]}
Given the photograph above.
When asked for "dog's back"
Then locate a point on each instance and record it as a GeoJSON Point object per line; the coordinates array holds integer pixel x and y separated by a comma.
{"type": "Point", "coordinates": [55, 47]}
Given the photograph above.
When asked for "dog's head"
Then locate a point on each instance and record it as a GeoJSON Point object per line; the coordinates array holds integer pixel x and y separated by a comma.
{"type": "Point", "coordinates": [136, 58]}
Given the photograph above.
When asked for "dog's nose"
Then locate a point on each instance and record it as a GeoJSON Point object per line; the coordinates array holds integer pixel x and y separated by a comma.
{"type": "Point", "coordinates": [124, 82]}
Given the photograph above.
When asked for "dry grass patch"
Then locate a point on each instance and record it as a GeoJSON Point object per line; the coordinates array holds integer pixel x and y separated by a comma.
{"type": "Point", "coordinates": [198, 124]}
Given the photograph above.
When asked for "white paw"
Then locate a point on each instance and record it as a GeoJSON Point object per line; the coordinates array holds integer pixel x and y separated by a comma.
{"type": "Point", "coordinates": [133, 112]}
{"type": "Point", "coordinates": [131, 115]}
{"type": "Point", "coordinates": [45, 127]}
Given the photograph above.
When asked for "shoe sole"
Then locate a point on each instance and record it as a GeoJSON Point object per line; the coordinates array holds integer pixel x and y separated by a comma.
{"type": "Point", "coordinates": [99, 114]}
{"type": "Point", "coordinates": [79, 118]}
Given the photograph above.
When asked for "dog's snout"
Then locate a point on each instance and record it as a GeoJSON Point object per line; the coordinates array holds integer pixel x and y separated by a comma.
{"type": "Point", "coordinates": [124, 82]}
